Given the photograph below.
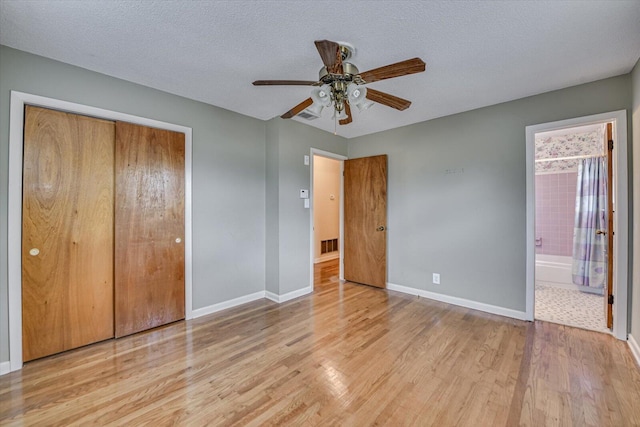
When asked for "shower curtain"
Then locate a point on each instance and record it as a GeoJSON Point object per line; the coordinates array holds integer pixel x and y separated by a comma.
{"type": "Point", "coordinates": [589, 257]}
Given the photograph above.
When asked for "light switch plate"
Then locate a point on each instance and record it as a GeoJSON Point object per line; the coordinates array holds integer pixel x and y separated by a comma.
{"type": "Point", "coordinates": [306, 160]}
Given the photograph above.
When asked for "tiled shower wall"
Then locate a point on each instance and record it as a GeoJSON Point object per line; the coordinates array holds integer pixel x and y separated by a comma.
{"type": "Point", "coordinates": [555, 205]}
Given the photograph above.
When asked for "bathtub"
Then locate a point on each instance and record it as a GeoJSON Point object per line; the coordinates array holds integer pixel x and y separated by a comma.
{"type": "Point", "coordinates": [555, 270]}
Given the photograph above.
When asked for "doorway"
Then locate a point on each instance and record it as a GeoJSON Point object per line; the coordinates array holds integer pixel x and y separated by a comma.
{"type": "Point", "coordinates": [326, 217]}
{"type": "Point", "coordinates": [619, 192]}
{"type": "Point", "coordinates": [570, 226]}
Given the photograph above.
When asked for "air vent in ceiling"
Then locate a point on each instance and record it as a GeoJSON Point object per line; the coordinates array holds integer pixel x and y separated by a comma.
{"type": "Point", "coordinates": [307, 116]}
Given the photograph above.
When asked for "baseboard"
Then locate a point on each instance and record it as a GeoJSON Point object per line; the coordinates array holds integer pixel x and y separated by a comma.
{"type": "Point", "coordinates": [199, 312]}
{"type": "Point", "coordinates": [288, 296]}
{"type": "Point", "coordinates": [487, 308]}
{"type": "Point", "coordinates": [5, 368]}
{"type": "Point", "coordinates": [635, 348]}
{"type": "Point", "coordinates": [326, 258]}
{"type": "Point", "coordinates": [271, 296]}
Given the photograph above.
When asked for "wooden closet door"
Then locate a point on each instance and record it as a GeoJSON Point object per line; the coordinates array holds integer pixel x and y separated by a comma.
{"type": "Point", "coordinates": [149, 223]}
{"type": "Point", "coordinates": [67, 232]}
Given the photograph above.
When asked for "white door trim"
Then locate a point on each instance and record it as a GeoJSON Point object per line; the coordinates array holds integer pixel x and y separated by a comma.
{"type": "Point", "coordinates": [16, 128]}
{"type": "Point", "coordinates": [621, 215]}
{"type": "Point", "coordinates": [322, 153]}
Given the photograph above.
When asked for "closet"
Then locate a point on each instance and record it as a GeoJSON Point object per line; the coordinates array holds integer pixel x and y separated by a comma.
{"type": "Point", "coordinates": [102, 231]}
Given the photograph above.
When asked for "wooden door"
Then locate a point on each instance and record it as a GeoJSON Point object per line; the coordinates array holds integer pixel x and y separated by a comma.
{"type": "Point", "coordinates": [149, 228]}
{"type": "Point", "coordinates": [365, 220]}
{"type": "Point", "coordinates": [609, 293]}
{"type": "Point", "coordinates": [67, 232]}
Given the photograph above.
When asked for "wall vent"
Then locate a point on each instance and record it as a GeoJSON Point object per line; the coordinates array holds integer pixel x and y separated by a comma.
{"type": "Point", "coordinates": [327, 246]}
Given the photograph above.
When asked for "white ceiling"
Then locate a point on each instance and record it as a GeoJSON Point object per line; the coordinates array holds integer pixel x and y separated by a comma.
{"type": "Point", "coordinates": [478, 53]}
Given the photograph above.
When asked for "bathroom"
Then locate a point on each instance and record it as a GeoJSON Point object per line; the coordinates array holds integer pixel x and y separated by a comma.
{"type": "Point", "coordinates": [569, 289]}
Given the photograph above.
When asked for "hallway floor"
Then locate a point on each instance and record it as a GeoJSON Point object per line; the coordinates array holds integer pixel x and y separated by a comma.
{"type": "Point", "coordinates": [570, 307]}
{"type": "Point", "coordinates": [326, 272]}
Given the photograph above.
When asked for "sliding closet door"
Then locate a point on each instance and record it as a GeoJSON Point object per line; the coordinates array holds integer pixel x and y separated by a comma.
{"type": "Point", "coordinates": [67, 232]}
{"type": "Point", "coordinates": [149, 228]}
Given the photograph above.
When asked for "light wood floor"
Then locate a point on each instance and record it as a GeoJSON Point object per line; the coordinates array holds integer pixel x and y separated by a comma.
{"type": "Point", "coordinates": [345, 355]}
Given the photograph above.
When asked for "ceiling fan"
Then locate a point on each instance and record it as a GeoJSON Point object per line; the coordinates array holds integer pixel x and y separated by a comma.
{"type": "Point", "coordinates": [341, 85]}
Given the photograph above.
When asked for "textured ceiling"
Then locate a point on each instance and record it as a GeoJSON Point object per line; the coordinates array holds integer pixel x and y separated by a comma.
{"type": "Point", "coordinates": [477, 53]}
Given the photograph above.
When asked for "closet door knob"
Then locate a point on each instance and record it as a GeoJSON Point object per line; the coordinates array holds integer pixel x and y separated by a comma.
{"type": "Point", "coordinates": [381, 228]}
{"type": "Point", "coordinates": [34, 252]}
{"type": "Point", "coordinates": [178, 240]}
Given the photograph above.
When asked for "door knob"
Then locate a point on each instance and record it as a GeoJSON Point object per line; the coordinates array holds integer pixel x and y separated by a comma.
{"type": "Point", "coordinates": [601, 231]}
{"type": "Point", "coordinates": [178, 240]}
{"type": "Point", "coordinates": [34, 251]}
{"type": "Point", "coordinates": [381, 228]}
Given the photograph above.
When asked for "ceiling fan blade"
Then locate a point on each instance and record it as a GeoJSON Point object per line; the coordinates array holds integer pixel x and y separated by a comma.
{"type": "Point", "coordinates": [410, 66]}
{"type": "Point", "coordinates": [330, 53]}
{"type": "Point", "coordinates": [284, 82]}
{"type": "Point", "coordinates": [295, 110]}
{"type": "Point", "coordinates": [347, 109]}
{"type": "Point", "coordinates": [388, 100]}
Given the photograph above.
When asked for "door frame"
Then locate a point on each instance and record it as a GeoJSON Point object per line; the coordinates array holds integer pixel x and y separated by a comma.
{"type": "Point", "coordinates": [341, 158]}
{"type": "Point", "coordinates": [621, 215]}
{"type": "Point", "coordinates": [14, 237]}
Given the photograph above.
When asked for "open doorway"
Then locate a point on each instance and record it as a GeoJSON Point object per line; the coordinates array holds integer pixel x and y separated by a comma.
{"type": "Point", "coordinates": [617, 248]}
{"type": "Point", "coordinates": [571, 199]}
{"type": "Point", "coordinates": [326, 217]}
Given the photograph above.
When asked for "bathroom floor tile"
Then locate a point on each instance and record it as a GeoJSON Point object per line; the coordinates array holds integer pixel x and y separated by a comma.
{"type": "Point", "coordinates": [570, 307]}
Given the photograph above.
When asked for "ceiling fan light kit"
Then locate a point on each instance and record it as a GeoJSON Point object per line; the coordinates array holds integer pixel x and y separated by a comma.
{"type": "Point", "coordinates": [321, 97]}
{"type": "Point", "coordinates": [339, 115]}
{"type": "Point", "coordinates": [357, 96]}
{"type": "Point", "coordinates": [341, 84]}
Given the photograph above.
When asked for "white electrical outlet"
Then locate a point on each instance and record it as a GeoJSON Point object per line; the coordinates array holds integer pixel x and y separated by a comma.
{"type": "Point", "coordinates": [436, 278]}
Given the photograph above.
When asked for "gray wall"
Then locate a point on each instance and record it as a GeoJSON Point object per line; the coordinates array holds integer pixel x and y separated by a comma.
{"type": "Point", "coordinates": [272, 206]}
{"type": "Point", "coordinates": [294, 245]}
{"type": "Point", "coordinates": [635, 291]}
{"type": "Point", "coordinates": [251, 231]}
{"type": "Point", "coordinates": [228, 172]}
{"type": "Point", "coordinates": [469, 226]}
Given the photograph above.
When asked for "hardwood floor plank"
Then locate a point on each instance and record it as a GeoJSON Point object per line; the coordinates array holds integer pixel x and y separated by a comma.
{"type": "Point", "coordinates": [345, 355]}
